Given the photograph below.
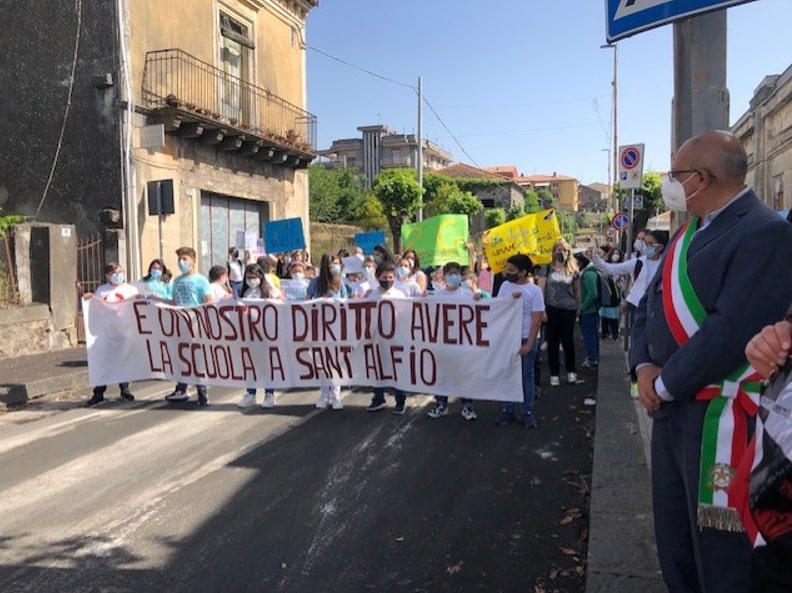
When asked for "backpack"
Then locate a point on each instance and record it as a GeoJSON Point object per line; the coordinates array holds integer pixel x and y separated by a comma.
{"type": "Point", "coordinates": [608, 293]}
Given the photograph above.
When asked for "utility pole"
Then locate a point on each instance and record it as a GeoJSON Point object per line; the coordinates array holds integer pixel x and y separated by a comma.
{"type": "Point", "coordinates": [701, 99]}
{"type": "Point", "coordinates": [615, 101]}
{"type": "Point", "coordinates": [419, 164]}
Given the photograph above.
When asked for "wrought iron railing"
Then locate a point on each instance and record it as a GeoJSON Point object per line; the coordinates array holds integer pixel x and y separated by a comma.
{"type": "Point", "coordinates": [174, 78]}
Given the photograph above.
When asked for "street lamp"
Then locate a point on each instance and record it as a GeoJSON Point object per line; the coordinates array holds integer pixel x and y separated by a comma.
{"type": "Point", "coordinates": [615, 49]}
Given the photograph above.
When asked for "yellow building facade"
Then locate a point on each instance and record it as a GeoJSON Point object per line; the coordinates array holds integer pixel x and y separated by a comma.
{"type": "Point", "coordinates": [217, 90]}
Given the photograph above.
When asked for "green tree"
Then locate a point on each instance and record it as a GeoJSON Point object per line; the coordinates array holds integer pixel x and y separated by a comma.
{"type": "Point", "coordinates": [335, 194]}
{"type": "Point", "coordinates": [515, 212]}
{"type": "Point", "coordinates": [400, 194]}
{"type": "Point", "coordinates": [447, 198]}
{"type": "Point", "coordinates": [494, 217]}
{"type": "Point", "coordinates": [532, 201]}
{"type": "Point", "coordinates": [370, 215]}
{"type": "Point", "coordinates": [546, 199]}
{"type": "Point", "coordinates": [651, 186]}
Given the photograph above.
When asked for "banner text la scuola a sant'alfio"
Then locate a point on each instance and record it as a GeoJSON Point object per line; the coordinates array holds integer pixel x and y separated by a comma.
{"type": "Point", "coordinates": [427, 345]}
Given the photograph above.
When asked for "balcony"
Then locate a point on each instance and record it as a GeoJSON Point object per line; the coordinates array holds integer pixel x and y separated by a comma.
{"type": "Point", "coordinates": [196, 100]}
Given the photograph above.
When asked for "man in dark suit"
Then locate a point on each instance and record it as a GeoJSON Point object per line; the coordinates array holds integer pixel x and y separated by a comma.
{"type": "Point", "coordinates": [736, 252]}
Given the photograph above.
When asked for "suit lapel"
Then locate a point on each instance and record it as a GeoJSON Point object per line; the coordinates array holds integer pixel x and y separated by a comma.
{"type": "Point", "coordinates": [722, 223]}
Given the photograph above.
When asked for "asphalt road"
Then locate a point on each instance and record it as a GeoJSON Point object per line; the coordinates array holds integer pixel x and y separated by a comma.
{"type": "Point", "coordinates": [148, 497]}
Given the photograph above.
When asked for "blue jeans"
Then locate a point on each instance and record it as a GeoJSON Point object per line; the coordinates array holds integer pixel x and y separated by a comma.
{"type": "Point", "coordinates": [589, 324]}
{"type": "Point", "coordinates": [528, 387]}
{"type": "Point", "coordinates": [379, 396]}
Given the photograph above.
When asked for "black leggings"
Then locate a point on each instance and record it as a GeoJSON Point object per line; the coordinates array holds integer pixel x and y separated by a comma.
{"type": "Point", "coordinates": [560, 330]}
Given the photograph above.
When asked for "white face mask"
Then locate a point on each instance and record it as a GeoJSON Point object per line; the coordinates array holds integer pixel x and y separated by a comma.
{"type": "Point", "coordinates": [674, 197]}
{"type": "Point", "coordinates": [254, 282]}
{"type": "Point", "coordinates": [638, 245]}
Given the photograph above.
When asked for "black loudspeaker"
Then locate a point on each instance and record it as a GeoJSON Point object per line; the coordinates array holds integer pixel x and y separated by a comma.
{"type": "Point", "coordinates": [160, 197]}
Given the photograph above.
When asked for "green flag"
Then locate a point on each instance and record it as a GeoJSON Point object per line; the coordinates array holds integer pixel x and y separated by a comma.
{"type": "Point", "coordinates": [438, 240]}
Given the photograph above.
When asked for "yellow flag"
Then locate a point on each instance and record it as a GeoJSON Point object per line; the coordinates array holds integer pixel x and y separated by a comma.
{"type": "Point", "coordinates": [532, 234]}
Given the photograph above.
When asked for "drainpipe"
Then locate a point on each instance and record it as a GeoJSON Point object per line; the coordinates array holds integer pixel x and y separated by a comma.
{"type": "Point", "coordinates": [129, 206]}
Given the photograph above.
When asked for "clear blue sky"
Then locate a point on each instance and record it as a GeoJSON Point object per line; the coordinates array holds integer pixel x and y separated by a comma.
{"type": "Point", "coordinates": [518, 82]}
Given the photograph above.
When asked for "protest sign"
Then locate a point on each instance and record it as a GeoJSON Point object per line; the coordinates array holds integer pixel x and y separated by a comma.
{"type": "Point", "coordinates": [430, 345]}
{"type": "Point", "coordinates": [532, 234]}
{"type": "Point", "coordinates": [438, 240]}
{"type": "Point", "coordinates": [367, 241]}
{"type": "Point", "coordinates": [352, 264]}
{"type": "Point", "coordinates": [248, 240]}
{"type": "Point", "coordinates": [284, 235]}
{"type": "Point", "coordinates": [294, 290]}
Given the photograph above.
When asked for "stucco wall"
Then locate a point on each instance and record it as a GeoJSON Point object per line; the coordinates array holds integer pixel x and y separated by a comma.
{"type": "Point", "coordinates": [38, 43]}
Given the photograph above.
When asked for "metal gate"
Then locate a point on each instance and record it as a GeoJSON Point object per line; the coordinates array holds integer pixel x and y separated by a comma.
{"type": "Point", "coordinates": [90, 273]}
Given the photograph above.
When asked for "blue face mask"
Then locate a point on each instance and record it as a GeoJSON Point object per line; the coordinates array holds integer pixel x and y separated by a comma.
{"type": "Point", "coordinates": [335, 270]}
{"type": "Point", "coordinates": [402, 272]}
{"type": "Point", "coordinates": [117, 278]}
{"type": "Point", "coordinates": [650, 250]}
{"type": "Point", "coordinates": [453, 280]}
{"type": "Point", "coordinates": [156, 274]}
{"type": "Point", "coordinates": [184, 266]}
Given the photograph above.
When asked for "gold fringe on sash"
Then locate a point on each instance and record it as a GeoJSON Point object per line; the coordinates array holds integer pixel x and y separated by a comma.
{"type": "Point", "coordinates": [722, 518]}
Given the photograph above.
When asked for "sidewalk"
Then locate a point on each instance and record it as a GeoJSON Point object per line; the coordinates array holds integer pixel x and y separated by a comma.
{"type": "Point", "coordinates": [26, 378]}
{"type": "Point", "coordinates": [621, 556]}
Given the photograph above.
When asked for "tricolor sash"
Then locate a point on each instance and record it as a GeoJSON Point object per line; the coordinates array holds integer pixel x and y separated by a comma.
{"type": "Point", "coordinates": [732, 401]}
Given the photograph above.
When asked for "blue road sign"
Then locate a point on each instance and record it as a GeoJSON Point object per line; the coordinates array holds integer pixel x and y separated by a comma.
{"type": "Point", "coordinates": [628, 17]}
{"type": "Point", "coordinates": [620, 221]}
{"type": "Point", "coordinates": [630, 158]}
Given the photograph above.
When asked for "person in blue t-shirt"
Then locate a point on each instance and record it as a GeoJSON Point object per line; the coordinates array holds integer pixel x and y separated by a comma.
{"type": "Point", "coordinates": [190, 289]}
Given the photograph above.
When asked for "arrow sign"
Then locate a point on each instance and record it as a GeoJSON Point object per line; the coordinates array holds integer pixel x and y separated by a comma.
{"type": "Point", "coordinates": [628, 17]}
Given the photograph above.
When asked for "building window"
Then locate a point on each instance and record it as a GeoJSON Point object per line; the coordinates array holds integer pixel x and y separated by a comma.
{"type": "Point", "coordinates": [221, 218]}
{"type": "Point", "coordinates": [236, 53]}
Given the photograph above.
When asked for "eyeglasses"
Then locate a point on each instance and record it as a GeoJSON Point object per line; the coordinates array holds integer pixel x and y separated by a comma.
{"type": "Point", "coordinates": [674, 173]}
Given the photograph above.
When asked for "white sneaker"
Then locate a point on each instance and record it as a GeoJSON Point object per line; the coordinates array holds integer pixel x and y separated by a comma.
{"type": "Point", "coordinates": [177, 396]}
{"type": "Point", "coordinates": [248, 401]}
{"type": "Point", "coordinates": [322, 403]}
{"type": "Point", "coordinates": [269, 400]}
{"type": "Point", "coordinates": [572, 378]}
{"type": "Point", "coordinates": [555, 381]}
{"type": "Point", "coordinates": [337, 404]}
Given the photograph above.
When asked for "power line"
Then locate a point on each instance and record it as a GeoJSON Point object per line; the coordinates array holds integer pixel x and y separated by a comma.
{"type": "Point", "coordinates": [356, 67]}
{"type": "Point", "coordinates": [397, 82]}
{"type": "Point", "coordinates": [450, 133]}
{"type": "Point", "coordinates": [78, 9]}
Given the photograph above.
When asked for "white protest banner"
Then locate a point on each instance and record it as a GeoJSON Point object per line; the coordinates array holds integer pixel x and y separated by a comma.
{"type": "Point", "coordinates": [432, 346]}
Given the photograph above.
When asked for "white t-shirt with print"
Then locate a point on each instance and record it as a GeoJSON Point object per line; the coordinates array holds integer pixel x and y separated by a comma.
{"type": "Point", "coordinates": [532, 301]}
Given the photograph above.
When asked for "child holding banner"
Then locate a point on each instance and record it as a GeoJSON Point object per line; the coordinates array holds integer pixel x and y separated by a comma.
{"type": "Point", "coordinates": [386, 277]}
{"type": "Point", "coordinates": [114, 290]}
{"type": "Point", "coordinates": [330, 286]}
{"type": "Point", "coordinates": [517, 284]}
{"type": "Point", "coordinates": [454, 290]}
{"type": "Point", "coordinates": [190, 289]}
{"type": "Point", "coordinates": [256, 286]}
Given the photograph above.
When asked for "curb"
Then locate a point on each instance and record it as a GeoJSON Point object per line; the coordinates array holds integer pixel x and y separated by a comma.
{"type": "Point", "coordinates": [622, 556]}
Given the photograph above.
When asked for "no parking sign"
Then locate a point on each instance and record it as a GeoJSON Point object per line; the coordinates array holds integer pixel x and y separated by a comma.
{"type": "Point", "coordinates": [631, 166]}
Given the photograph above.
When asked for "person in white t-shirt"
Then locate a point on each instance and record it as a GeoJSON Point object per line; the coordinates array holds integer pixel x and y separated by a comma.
{"type": "Point", "coordinates": [234, 267]}
{"type": "Point", "coordinates": [453, 290]}
{"type": "Point", "coordinates": [517, 284]}
{"type": "Point", "coordinates": [405, 282]}
{"type": "Point", "coordinates": [256, 286]}
{"type": "Point", "coordinates": [218, 283]}
{"type": "Point", "coordinates": [115, 290]}
{"type": "Point", "coordinates": [386, 277]}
